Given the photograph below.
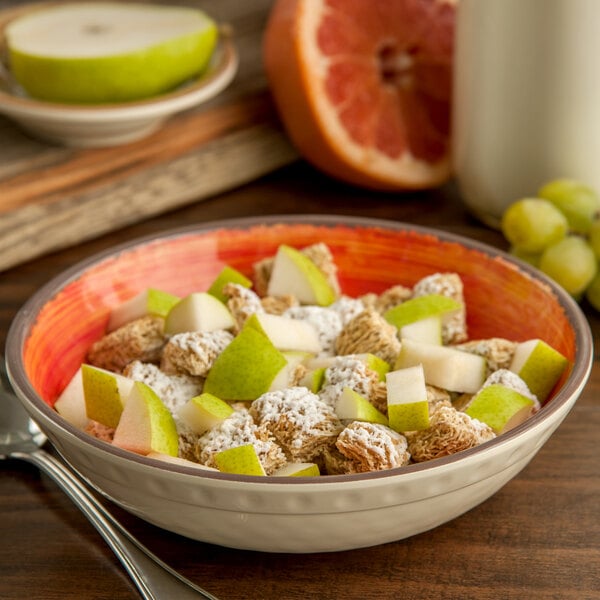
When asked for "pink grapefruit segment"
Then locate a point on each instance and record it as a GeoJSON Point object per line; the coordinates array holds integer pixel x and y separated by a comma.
{"type": "Point", "coordinates": [363, 87]}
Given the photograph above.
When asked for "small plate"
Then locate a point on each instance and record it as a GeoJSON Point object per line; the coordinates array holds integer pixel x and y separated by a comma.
{"type": "Point", "coordinates": [93, 126]}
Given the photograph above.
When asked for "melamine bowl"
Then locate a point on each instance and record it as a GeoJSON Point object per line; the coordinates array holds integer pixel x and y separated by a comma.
{"type": "Point", "coordinates": [50, 335]}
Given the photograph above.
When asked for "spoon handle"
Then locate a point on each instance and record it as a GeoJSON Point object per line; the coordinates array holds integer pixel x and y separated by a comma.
{"type": "Point", "coordinates": [154, 579]}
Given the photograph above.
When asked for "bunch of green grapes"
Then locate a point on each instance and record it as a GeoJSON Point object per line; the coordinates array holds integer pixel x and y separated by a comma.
{"type": "Point", "coordinates": [558, 232]}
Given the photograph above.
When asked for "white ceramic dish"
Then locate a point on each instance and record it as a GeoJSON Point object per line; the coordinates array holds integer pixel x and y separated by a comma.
{"type": "Point", "coordinates": [293, 514]}
{"type": "Point", "coordinates": [97, 126]}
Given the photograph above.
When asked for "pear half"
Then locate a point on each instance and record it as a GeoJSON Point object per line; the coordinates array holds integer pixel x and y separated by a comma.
{"type": "Point", "coordinates": [88, 52]}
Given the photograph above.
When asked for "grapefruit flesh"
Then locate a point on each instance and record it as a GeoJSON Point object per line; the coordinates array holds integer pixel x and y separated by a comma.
{"type": "Point", "coordinates": [363, 87]}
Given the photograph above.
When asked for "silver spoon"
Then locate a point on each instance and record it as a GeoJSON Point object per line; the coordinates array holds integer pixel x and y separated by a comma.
{"type": "Point", "coordinates": [21, 438]}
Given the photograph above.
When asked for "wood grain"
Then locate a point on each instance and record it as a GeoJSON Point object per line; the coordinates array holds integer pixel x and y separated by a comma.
{"type": "Point", "coordinates": [52, 197]}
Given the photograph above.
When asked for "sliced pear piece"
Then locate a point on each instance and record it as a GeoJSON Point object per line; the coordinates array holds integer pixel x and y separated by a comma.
{"type": "Point", "coordinates": [146, 424]}
{"type": "Point", "coordinates": [539, 366]}
{"type": "Point", "coordinates": [294, 273]}
{"type": "Point", "coordinates": [246, 368]}
{"type": "Point", "coordinates": [71, 403]}
{"type": "Point", "coordinates": [149, 302]}
{"type": "Point", "coordinates": [422, 307]}
{"type": "Point", "coordinates": [298, 470]}
{"type": "Point", "coordinates": [408, 408]}
{"type": "Point", "coordinates": [351, 405]}
{"type": "Point", "coordinates": [286, 333]}
{"type": "Point", "coordinates": [227, 275]}
{"type": "Point", "coordinates": [204, 412]}
{"type": "Point", "coordinates": [105, 394]}
{"type": "Point", "coordinates": [241, 460]}
{"type": "Point", "coordinates": [500, 407]}
{"type": "Point", "coordinates": [87, 52]}
{"type": "Point", "coordinates": [198, 311]}
{"type": "Point", "coordinates": [427, 330]}
{"type": "Point", "coordinates": [445, 367]}
{"type": "Point", "coordinates": [313, 379]}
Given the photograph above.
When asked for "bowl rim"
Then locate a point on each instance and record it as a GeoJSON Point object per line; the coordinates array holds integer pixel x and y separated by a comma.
{"type": "Point", "coordinates": [19, 331]}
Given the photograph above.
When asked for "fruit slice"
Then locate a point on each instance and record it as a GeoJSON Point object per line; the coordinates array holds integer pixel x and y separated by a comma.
{"type": "Point", "coordinates": [499, 407]}
{"type": "Point", "coordinates": [422, 307]}
{"type": "Point", "coordinates": [351, 405]}
{"type": "Point", "coordinates": [298, 470]}
{"type": "Point", "coordinates": [427, 331]}
{"type": "Point", "coordinates": [71, 403]}
{"type": "Point", "coordinates": [104, 394]}
{"type": "Point", "coordinates": [539, 366]}
{"type": "Point", "coordinates": [444, 367]}
{"type": "Point", "coordinates": [286, 333]}
{"type": "Point", "coordinates": [313, 379]}
{"type": "Point", "coordinates": [294, 273]}
{"type": "Point", "coordinates": [146, 424]}
{"type": "Point", "coordinates": [363, 88]}
{"type": "Point", "coordinates": [246, 368]}
{"type": "Point", "coordinates": [149, 302]}
{"type": "Point", "coordinates": [241, 460]}
{"type": "Point", "coordinates": [204, 412]}
{"type": "Point", "coordinates": [108, 52]}
{"type": "Point", "coordinates": [408, 409]}
{"type": "Point", "coordinates": [199, 311]}
{"type": "Point", "coordinates": [227, 275]}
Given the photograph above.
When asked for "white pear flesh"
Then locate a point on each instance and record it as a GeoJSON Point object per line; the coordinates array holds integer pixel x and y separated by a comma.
{"type": "Point", "coordinates": [198, 311]}
{"type": "Point", "coordinates": [294, 273]}
{"type": "Point", "coordinates": [241, 460]}
{"type": "Point", "coordinates": [148, 302]}
{"type": "Point", "coordinates": [204, 412]}
{"type": "Point", "coordinates": [449, 368]}
{"type": "Point", "coordinates": [427, 331]}
{"type": "Point", "coordinates": [105, 394]}
{"type": "Point", "coordinates": [539, 365]}
{"type": "Point", "coordinates": [290, 334]}
{"type": "Point", "coordinates": [500, 407]}
{"type": "Point", "coordinates": [408, 408]}
{"type": "Point", "coordinates": [351, 405]}
{"type": "Point", "coordinates": [71, 403]}
{"type": "Point", "coordinates": [146, 424]}
{"type": "Point", "coordinates": [102, 52]}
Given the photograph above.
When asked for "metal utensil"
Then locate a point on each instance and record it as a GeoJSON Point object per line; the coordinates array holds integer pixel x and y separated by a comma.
{"type": "Point", "coordinates": [21, 438]}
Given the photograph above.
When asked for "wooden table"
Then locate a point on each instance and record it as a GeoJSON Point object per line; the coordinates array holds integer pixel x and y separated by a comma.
{"type": "Point", "coordinates": [537, 538]}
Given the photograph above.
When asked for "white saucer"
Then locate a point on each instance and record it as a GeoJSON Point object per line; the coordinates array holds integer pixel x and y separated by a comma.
{"type": "Point", "coordinates": [93, 126]}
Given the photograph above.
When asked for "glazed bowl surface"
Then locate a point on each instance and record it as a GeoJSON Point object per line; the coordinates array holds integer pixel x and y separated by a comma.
{"type": "Point", "coordinates": [50, 335]}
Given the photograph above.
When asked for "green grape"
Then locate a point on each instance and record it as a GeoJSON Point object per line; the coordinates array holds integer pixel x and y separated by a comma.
{"type": "Point", "coordinates": [532, 224]}
{"type": "Point", "coordinates": [571, 263]}
{"type": "Point", "coordinates": [533, 258]}
{"type": "Point", "coordinates": [592, 293]}
{"type": "Point", "coordinates": [577, 201]}
{"type": "Point", "coordinates": [594, 237]}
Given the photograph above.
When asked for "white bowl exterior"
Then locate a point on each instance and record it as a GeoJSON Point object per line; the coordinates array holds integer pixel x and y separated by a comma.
{"type": "Point", "coordinates": [293, 518]}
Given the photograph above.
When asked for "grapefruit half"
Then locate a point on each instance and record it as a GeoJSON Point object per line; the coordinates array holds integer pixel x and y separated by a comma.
{"type": "Point", "coordinates": [363, 87]}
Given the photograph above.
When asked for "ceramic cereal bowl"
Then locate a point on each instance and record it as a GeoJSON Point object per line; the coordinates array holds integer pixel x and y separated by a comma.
{"type": "Point", "coordinates": [49, 338]}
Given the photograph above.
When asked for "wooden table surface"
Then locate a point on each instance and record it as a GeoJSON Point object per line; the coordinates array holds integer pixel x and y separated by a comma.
{"type": "Point", "coordinates": [538, 537]}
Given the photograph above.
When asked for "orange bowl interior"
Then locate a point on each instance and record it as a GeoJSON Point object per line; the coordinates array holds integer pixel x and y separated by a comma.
{"type": "Point", "coordinates": [502, 300]}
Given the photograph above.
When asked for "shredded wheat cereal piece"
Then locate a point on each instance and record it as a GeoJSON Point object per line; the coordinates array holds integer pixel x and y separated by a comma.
{"type": "Point", "coordinates": [498, 352]}
{"type": "Point", "coordinates": [369, 332]}
{"type": "Point", "coordinates": [262, 273]}
{"type": "Point", "coordinates": [173, 390]}
{"type": "Point", "coordinates": [194, 352]}
{"type": "Point", "coordinates": [99, 431]}
{"type": "Point", "coordinates": [301, 423]}
{"type": "Point", "coordinates": [347, 308]}
{"type": "Point", "coordinates": [373, 447]}
{"type": "Point", "coordinates": [326, 322]}
{"type": "Point", "coordinates": [378, 396]}
{"type": "Point", "coordinates": [277, 305]}
{"type": "Point", "coordinates": [242, 302]}
{"type": "Point", "coordinates": [352, 372]}
{"type": "Point", "coordinates": [236, 430]}
{"type": "Point", "coordinates": [437, 397]}
{"type": "Point", "coordinates": [449, 431]}
{"type": "Point", "coordinates": [142, 339]}
{"type": "Point", "coordinates": [454, 330]}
